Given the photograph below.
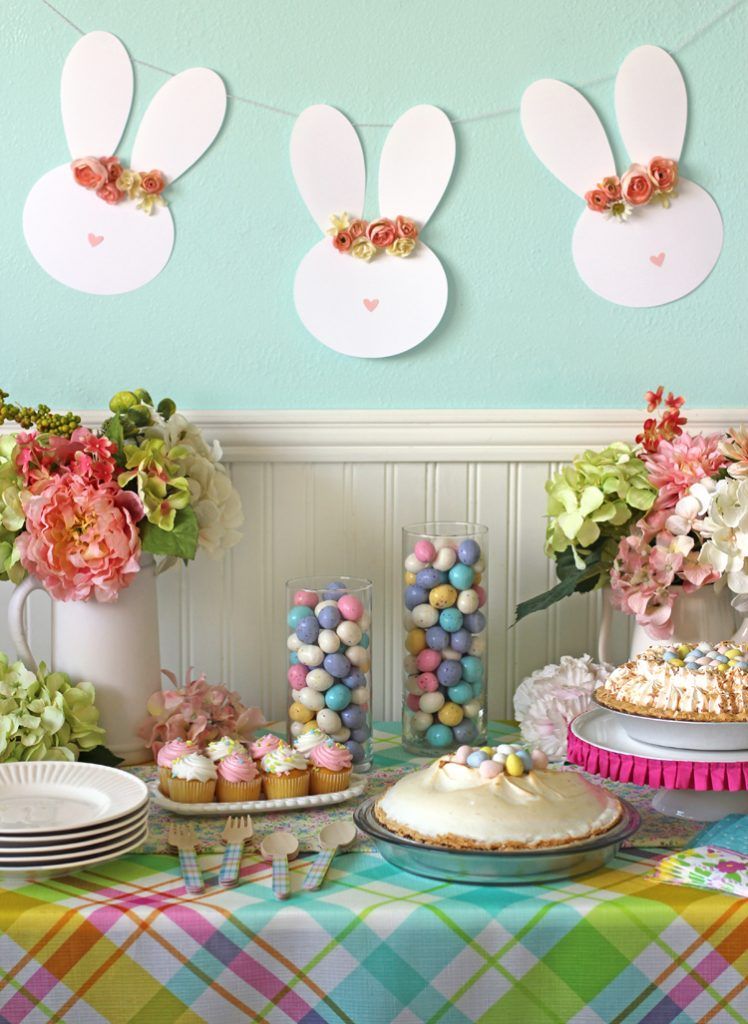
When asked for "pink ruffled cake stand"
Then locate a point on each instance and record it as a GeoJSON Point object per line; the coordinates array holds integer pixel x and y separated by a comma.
{"type": "Point", "coordinates": [704, 785]}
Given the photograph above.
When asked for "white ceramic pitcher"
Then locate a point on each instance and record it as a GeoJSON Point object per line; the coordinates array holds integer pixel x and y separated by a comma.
{"type": "Point", "coordinates": [113, 645]}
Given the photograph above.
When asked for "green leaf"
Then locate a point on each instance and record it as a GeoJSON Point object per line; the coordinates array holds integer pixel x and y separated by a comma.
{"type": "Point", "coordinates": [100, 755]}
{"type": "Point", "coordinates": [180, 542]}
{"type": "Point", "coordinates": [572, 579]}
{"type": "Point", "coordinates": [112, 429]}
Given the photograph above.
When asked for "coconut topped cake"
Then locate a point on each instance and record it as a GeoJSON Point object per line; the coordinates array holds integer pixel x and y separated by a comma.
{"type": "Point", "coordinates": [496, 798]}
{"type": "Point", "coordinates": [689, 682]}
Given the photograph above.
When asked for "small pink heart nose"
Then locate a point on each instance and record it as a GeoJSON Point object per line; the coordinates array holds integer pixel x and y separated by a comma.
{"type": "Point", "coordinates": [658, 260]}
{"type": "Point", "coordinates": [94, 240]}
{"type": "Point", "coordinates": [371, 304]}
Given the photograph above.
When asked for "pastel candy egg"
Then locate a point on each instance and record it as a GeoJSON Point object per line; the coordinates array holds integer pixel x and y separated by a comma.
{"type": "Point", "coordinates": [428, 660]}
{"type": "Point", "coordinates": [476, 758]}
{"type": "Point", "coordinates": [482, 595]}
{"type": "Point", "coordinates": [300, 712]}
{"type": "Point", "coordinates": [468, 551]}
{"type": "Point", "coordinates": [311, 699]}
{"type": "Point", "coordinates": [450, 655]}
{"type": "Point", "coordinates": [364, 621]}
{"type": "Point", "coordinates": [461, 693]}
{"type": "Point", "coordinates": [460, 641]}
{"type": "Point", "coordinates": [450, 619]}
{"type": "Point", "coordinates": [428, 578]}
{"type": "Point", "coordinates": [356, 750]}
{"type": "Point", "coordinates": [427, 682]}
{"type": "Point", "coordinates": [296, 614]}
{"type": "Point", "coordinates": [421, 721]}
{"type": "Point", "coordinates": [329, 616]}
{"type": "Point", "coordinates": [490, 769]}
{"type": "Point", "coordinates": [487, 750]}
{"type": "Point", "coordinates": [324, 604]}
{"type": "Point", "coordinates": [297, 728]}
{"type": "Point", "coordinates": [424, 551]}
{"type": "Point", "coordinates": [296, 676]}
{"type": "Point", "coordinates": [475, 622]}
{"type": "Point", "coordinates": [408, 622]}
{"type": "Point", "coordinates": [480, 565]}
{"type": "Point", "coordinates": [354, 717]}
{"type": "Point", "coordinates": [472, 669]}
{"type": "Point", "coordinates": [310, 598]}
{"type": "Point", "coordinates": [357, 678]}
{"type": "Point", "coordinates": [431, 702]}
{"type": "Point", "coordinates": [414, 596]}
{"type": "Point", "coordinates": [732, 652]}
{"type": "Point", "coordinates": [359, 657]}
{"type": "Point", "coordinates": [333, 590]}
{"type": "Point", "coordinates": [293, 643]}
{"type": "Point", "coordinates": [514, 766]}
{"type": "Point", "coordinates": [409, 578]}
{"type": "Point", "coordinates": [337, 697]}
{"type": "Point", "coordinates": [349, 632]}
{"type": "Point", "coordinates": [499, 759]}
{"type": "Point", "coordinates": [329, 641]}
{"type": "Point", "coordinates": [424, 615]}
{"type": "Point", "coordinates": [410, 664]}
{"type": "Point", "coordinates": [337, 665]}
{"type": "Point", "coordinates": [449, 673]}
{"type": "Point", "coordinates": [505, 749]}
{"type": "Point", "coordinates": [414, 564]}
{"type": "Point", "coordinates": [526, 758]}
{"type": "Point", "coordinates": [362, 734]}
{"type": "Point", "coordinates": [477, 646]}
{"type": "Point", "coordinates": [437, 638]}
{"type": "Point", "coordinates": [461, 576]}
{"type": "Point", "coordinates": [445, 558]}
{"type": "Point", "coordinates": [310, 655]}
{"type": "Point", "coordinates": [308, 630]}
{"type": "Point", "coordinates": [450, 714]}
{"type": "Point", "coordinates": [444, 596]}
{"type": "Point", "coordinates": [461, 754]}
{"type": "Point", "coordinates": [411, 685]}
{"type": "Point", "coordinates": [412, 702]}
{"type": "Point", "coordinates": [329, 721]}
{"type": "Point", "coordinates": [350, 607]}
{"type": "Point", "coordinates": [293, 658]}
{"type": "Point", "coordinates": [539, 759]}
{"type": "Point", "coordinates": [472, 708]}
{"type": "Point", "coordinates": [308, 726]}
{"type": "Point", "coordinates": [465, 731]}
{"type": "Point", "coordinates": [360, 695]}
{"type": "Point", "coordinates": [341, 735]}
{"type": "Point", "coordinates": [467, 602]}
{"type": "Point", "coordinates": [439, 735]}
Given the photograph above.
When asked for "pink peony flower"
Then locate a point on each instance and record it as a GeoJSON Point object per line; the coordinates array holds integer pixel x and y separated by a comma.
{"type": "Point", "coordinates": [81, 539]}
{"type": "Point", "coordinates": [679, 463]}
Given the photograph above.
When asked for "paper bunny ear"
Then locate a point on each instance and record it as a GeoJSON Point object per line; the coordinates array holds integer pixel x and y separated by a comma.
{"type": "Point", "coordinates": [416, 163]}
{"type": "Point", "coordinates": [651, 105]}
{"type": "Point", "coordinates": [566, 134]}
{"type": "Point", "coordinates": [328, 164]}
{"type": "Point", "coordinates": [181, 122]}
{"type": "Point", "coordinates": [96, 94]}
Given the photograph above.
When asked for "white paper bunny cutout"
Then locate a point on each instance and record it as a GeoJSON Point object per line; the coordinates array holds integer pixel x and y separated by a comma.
{"type": "Point", "coordinates": [78, 238]}
{"type": "Point", "coordinates": [390, 304]}
{"type": "Point", "coordinates": [658, 255]}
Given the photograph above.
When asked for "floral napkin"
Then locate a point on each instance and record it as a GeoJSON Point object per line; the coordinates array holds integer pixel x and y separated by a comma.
{"type": "Point", "coordinates": [706, 867]}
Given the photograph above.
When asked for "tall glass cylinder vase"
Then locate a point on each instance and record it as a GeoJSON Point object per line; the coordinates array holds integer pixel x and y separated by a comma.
{"type": "Point", "coordinates": [445, 568]}
{"type": "Point", "coordinates": [329, 653]}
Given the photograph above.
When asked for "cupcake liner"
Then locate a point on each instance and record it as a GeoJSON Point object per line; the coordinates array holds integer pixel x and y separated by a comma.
{"type": "Point", "coordinates": [164, 778]}
{"type": "Point", "coordinates": [191, 791]}
{"type": "Point", "coordinates": [290, 784]}
{"type": "Point", "coordinates": [325, 781]}
{"type": "Point", "coordinates": [237, 792]}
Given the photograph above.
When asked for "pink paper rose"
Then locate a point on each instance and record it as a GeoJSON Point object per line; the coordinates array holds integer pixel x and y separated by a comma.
{"type": "Point", "coordinates": [597, 200]}
{"type": "Point", "coordinates": [110, 193]}
{"type": "Point", "coordinates": [381, 233]}
{"type": "Point", "coordinates": [664, 173]}
{"type": "Point", "coordinates": [89, 172]}
{"type": "Point", "coordinates": [636, 185]}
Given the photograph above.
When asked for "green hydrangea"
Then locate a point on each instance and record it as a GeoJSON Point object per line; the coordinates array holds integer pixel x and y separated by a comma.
{"type": "Point", "coordinates": [12, 518]}
{"type": "Point", "coordinates": [595, 497]}
{"type": "Point", "coordinates": [44, 716]}
{"type": "Point", "coordinates": [161, 487]}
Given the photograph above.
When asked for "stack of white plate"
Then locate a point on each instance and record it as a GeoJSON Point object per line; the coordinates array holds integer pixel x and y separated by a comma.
{"type": "Point", "coordinates": [59, 816]}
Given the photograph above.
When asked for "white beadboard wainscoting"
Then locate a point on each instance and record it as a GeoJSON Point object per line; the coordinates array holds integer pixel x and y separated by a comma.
{"type": "Point", "coordinates": [328, 492]}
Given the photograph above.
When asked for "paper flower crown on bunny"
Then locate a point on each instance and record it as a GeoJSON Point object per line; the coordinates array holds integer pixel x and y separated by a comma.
{"type": "Point", "coordinates": [640, 185]}
{"type": "Point", "coordinates": [363, 240]}
{"type": "Point", "coordinates": [112, 183]}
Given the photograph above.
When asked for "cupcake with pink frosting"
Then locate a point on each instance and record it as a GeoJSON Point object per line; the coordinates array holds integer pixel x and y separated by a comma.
{"type": "Point", "coordinates": [167, 755]}
{"type": "Point", "coordinates": [238, 778]}
{"type": "Point", "coordinates": [331, 765]}
{"type": "Point", "coordinates": [264, 745]}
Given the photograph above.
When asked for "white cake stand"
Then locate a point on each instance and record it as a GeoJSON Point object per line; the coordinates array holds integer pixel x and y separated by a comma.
{"type": "Point", "coordinates": [705, 785]}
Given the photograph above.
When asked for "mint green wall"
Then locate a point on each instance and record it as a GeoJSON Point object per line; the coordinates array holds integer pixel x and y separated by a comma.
{"type": "Point", "coordinates": [218, 329]}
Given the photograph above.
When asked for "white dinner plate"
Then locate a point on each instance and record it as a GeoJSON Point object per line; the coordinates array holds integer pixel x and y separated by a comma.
{"type": "Point", "coordinates": [34, 856]}
{"type": "Point", "coordinates": [16, 838]}
{"type": "Point", "coordinates": [62, 796]}
{"type": "Point", "coordinates": [32, 846]}
{"type": "Point", "coordinates": [45, 870]}
{"type": "Point", "coordinates": [668, 732]}
{"type": "Point", "coordinates": [603, 728]}
{"type": "Point", "coordinates": [298, 803]}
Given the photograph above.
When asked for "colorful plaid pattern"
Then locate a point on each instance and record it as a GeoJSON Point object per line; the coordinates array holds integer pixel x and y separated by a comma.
{"type": "Point", "coordinates": [232, 858]}
{"type": "Point", "coordinates": [318, 869]}
{"type": "Point", "coordinates": [281, 880]}
{"type": "Point", "coordinates": [123, 944]}
{"type": "Point", "coordinates": [193, 879]}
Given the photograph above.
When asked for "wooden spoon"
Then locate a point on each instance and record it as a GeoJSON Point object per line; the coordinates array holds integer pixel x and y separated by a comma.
{"type": "Point", "coordinates": [338, 835]}
{"type": "Point", "coordinates": [280, 847]}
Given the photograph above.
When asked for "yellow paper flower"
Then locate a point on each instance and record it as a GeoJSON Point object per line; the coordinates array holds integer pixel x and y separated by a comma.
{"type": "Point", "coordinates": [148, 200]}
{"type": "Point", "coordinates": [363, 249]}
{"type": "Point", "coordinates": [129, 181]}
{"type": "Point", "coordinates": [339, 223]}
{"type": "Point", "coordinates": [402, 247]}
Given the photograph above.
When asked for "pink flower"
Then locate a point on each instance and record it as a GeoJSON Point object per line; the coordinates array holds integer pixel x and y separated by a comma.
{"type": "Point", "coordinates": [597, 199]}
{"type": "Point", "coordinates": [728, 866]}
{"type": "Point", "coordinates": [636, 185]}
{"type": "Point", "coordinates": [84, 454]}
{"type": "Point", "coordinates": [664, 173]}
{"type": "Point", "coordinates": [110, 193]}
{"type": "Point", "coordinates": [381, 233]}
{"type": "Point", "coordinates": [679, 463]}
{"type": "Point", "coordinates": [81, 540]}
{"type": "Point", "coordinates": [89, 172]}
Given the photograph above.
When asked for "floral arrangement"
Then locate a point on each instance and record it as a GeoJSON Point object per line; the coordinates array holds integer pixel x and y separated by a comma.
{"type": "Point", "coordinates": [547, 701]}
{"type": "Point", "coordinates": [79, 508]}
{"type": "Point", "coordinates": [640, 185]}
{"type": "Point", "coordinates": [45, 717]}
{"type": "Point", "coordinates": [111, 182]}
{"type": "Point", "coordinates": [198, 712]}
{"type": "Point", "coordinates": [364, 240]}
{"type": "Point", "coordinates": [666, 516]}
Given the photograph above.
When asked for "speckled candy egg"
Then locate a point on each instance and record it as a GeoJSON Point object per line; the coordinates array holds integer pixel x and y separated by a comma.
{"type": "Point", "coordinates": [424, 551]}
{"type": "Point", "coordinates": [477, 646]}
{"type": "Point", "coordinates": [472, 708]}
{"type": "Point", "coordinates": [360, 695]}
{"type": "Point", "coordinates": [353, 716]}
{"type": "Point", "coordinates": [414, 564]}
{"type": "Point", "coordinates": [460, 641]}
{"type": "Point", "coordinates": [296, 676]}
{"type": "Point", "coordinates": [293, 643]}
{"type": "Point", "coordinates": [449, 673]}
{"type": "Point", "coordinates": [300, 713]}
{"type": "Point", "coordinates": [414, 596]}
{"type": "Point", "coordinates": [329, 721]}
{"type": "Point", "coordinates": [428, 660]}
{"type": "Point", "coordinates": [427, 682]}
{"type": "Point", "coordinates": [431, 702]}
{"type": "Point", "coordinates": [297, 613]}
{"type": "Point", "coordinates": [349, 632]}
{"type": "Point", "coordinates": [359, 657]}
{"type": "Point", "coordinates": [445, 559]}
{"type": "Point", "coordinates": [467, 602]}
{"type": "Point", "coordinates": [338, 665]}
{"type": "Point", "coordinates": [437, 638]}
{"type": "Point", "coordinates": [308, 630]}
{"type": "Point", "coordinates": [421, 721]}
{"type": "Point", "coordinates": [329, 641]}
{"type": "Point", "coordinates": [310, 598]}
{"type": "Point", "coordinates": [319, 679]}
{"type": "Point", "coordinates": [296, 728]}
{"type": "Point", "coordinates": [311, 699]}
{"type": "Point", "coordinates": [472, 669]}
{"type": "Point", "coordinates": [329, 615]}
{"type": "Point", "coordinates": [468, 551]}
{"type": "Point", "coordinates": [341, 735]}
{"type": "Point", "coordinates": [356, 750]}
{"type": "Point", "coordinates": [310, 655]}
{"type": "Point", "coordinates": [350, 607]}
{"type": "Point", "coordinates": [443, 596]}
{"type": "Point", "coordinates": [338, 697]}
{"type": "Point", "coordinates": [450, 714]}
{"type": "Point", "coordinates": [465, 732]}
{"type": "Point", "coordinates": [450, 619]}
{"type": "Point", "coordinates": [423, 615]}
{"type": "Point", "coordinates": [357, 678]}
{"type": "Point", "coordinates": [461, 693]}
{"type": "Point", "coordinates": [439, 735]}
{"type": "Point", "coordinates": [364, 621]}
{"type": "Point", "coordinates": [461, 576]}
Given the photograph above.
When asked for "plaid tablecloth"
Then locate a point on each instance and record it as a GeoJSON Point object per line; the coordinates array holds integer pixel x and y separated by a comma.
{"type": "Point", "coordinates": [124, 944]}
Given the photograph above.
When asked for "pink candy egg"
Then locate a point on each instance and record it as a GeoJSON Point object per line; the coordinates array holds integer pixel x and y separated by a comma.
{"type": "Point", "coordinates": [428, 660]}
{"type": "Point", "coordinates": [539, 759]}
{"type": "Point", "coordinates": [424, 551]}
{"type": "Point", "coordinates": [481, 592]}
{"type": "Point", "coordinates": [461, 754]}
{"type": "Point", "coordinates": [306, 598]}
{"type": "Point", "coordinates": [412, 702]}
{"type": "Point", "coordinates": [297, 676]}
{"type": "Point", "coordinates": [489, 769]}
{"type": "Point", "coordinates": [350, 607]}
{"type": "Point", "coordinates": [427, 682]}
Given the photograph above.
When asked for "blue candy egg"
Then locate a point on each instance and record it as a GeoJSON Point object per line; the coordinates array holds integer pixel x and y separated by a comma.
{"type": "Point", "coordinates": [429, 578]}
{"type": "Point", "coordinates": [465, 732]}
{"type": "Point", "coordinates": [460, 641]}
{"type": "Point", "coordinates": [451, 620]}
{"type": "Point", "coordinates": [461, 576]}
{"type": "Point", "coordinates": [357, 751]}
{"type": "Point", "coordinates": [476, 758]}
{"type": "Point", "coordinates": [293, 658]}
{"type": "Point", "coordinates": [472, 669]}
{"type": "Point", "coordinates": [669, 656]}
{"type": "Point", "coordinates": [449, 673]}
{"type": "Point", "coordinates": [361, 735]}
{"type": "Point", "coordinates": [364, 641]}
{"type": "Point", "coordinates": [353, 716]}
{"type": "Point", "coordinates": [329, 617]}
{"type": "Point", "coordinates": [337, 665]}
{"type": "Point", "coordinates": [415, 595]}
{"type": "Point", "coordinates": [721, 658]}
{"type": "Point", "coordinates": [439, 735]}
{"type": "Point", "coordinates": [468, 552]}
{"type": "Point", "coordinates": [337, 697]}
{"type": "Point", "coordinates": [524, 756]}
{"type": "Point", "coordinates": [334, 590]}
{"type": "Point", "coordinates": [475, 622]}
{"type": "Point", "coordinates": [308, 630]}
{"type": "Point", "coordinates": [356, 678]}
{"type": "Point", "coordinates": [461, 693]}
{"type": "Point", "coordinates": [437, 638]}
{"type": "Point", "coordinates": [477, 689]}
{"type": "Point", "coordinates": [296, 614]}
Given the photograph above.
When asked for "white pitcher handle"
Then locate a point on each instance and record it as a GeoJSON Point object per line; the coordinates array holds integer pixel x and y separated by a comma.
{"type": "Point", "coordinates": [16, 624]}
{"type": "Point", "coordinates": [603, 637]}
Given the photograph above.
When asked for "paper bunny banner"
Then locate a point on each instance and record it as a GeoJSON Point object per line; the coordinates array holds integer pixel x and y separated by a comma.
{"type": "Point", "coordinates": [82, 240]}
{"type": "Point", "coordinates": [660, 253]}
{"type": "Point", "coordinates": [385, 305]}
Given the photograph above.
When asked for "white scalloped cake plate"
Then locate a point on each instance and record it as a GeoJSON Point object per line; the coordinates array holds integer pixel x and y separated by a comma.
{"type": "Point", "coordinates": [64, 796]}
{"type": "Point", "coordinates": [43, 869]}
{"type": "Point", "coordinates": [603, 728]}
{"type": "Point", "coordinates": [299, 803]}
{"type": "Point", "coordinates": [669, 732]}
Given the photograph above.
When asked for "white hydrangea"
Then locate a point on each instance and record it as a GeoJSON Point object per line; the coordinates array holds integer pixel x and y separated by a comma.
{"type": "Point", "coordinates": [726, 531]}
{"type": "Point", "coordinates": [546, 701]}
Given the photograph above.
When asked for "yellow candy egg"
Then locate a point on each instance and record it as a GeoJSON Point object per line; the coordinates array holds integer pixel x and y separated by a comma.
{"type": "Point", "coordinates": [443, 596]}
{"type": "Point", "coordinates": [513, 765]}
{"type": "Point", "coordinates": [676, 663]}
{"type": "Point", "coordinates": [409, 578]}
{"type": "Point", "coordinates": [732, 653]}
{"type": "Point", "coordinates": [415, 641]}
{"type": "Point", "coordinates": [683, 650]}
{"type": "Point", "coordinates": [298, 713]}
{"type": "Point", "coordinates": [450, 714]}
{"type": "Point", "coordinates": [488, 750]}
{"type": "Point", "coordinates": [477, 578]}
{"type": "Point", "coordinates": [312, 724]}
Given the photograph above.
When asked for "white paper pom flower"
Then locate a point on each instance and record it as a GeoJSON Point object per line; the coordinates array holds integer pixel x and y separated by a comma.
{"type": "Point", "coordinates": [546, 701]}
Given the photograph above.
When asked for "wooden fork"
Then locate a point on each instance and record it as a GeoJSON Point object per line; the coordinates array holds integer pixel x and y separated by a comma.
{"type": "Point", "coordinates": [183, 838]}
{"type": "Point", "coordinates": [236, 832]}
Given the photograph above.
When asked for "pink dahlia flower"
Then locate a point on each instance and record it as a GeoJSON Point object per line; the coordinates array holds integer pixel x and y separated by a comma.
{"type": "Point", "coordinates": [84, 454]}
{"type": "Point", "coordinates": [81, 540]}
{"type": "Point", "coordinates": [679, 463]}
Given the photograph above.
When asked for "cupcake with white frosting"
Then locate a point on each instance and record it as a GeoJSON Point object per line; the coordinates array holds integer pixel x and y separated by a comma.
{"type": "Point", "coordinates": [218, 749]}
{"type": "Point", "coordinates": [193, 779]}
{"type": "Point", "coordinates": [307, 741]}
{"type": "Point", "coordinates": [285, 773]}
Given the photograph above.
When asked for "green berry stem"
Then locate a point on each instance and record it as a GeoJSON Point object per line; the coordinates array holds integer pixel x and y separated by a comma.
{"type": "Point", "coordinates": [45, 421]}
